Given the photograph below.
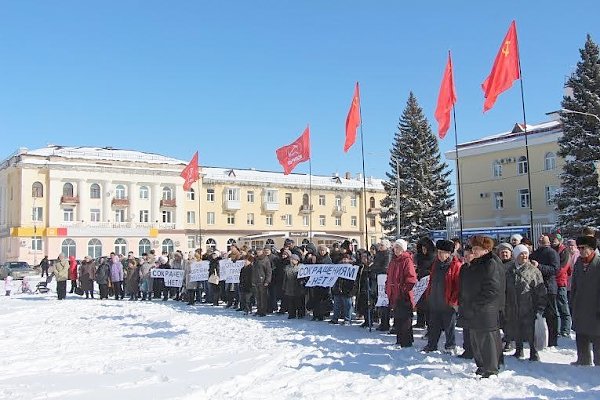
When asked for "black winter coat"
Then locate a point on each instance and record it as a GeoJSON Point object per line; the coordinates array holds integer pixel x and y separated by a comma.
{"type": "Point", "coordinates": [381, 261]}
{"type": "Point", "coordinates": [549, 265]}
{"type": "Point", "coordinates": [246, 279]}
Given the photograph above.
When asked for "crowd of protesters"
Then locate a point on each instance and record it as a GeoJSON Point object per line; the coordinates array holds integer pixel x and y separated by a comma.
{"type": "Point", "coordinates": [495, 292]}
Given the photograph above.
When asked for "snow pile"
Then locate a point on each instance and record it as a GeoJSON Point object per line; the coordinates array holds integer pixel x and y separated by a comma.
{"type": "Point", "coordinates": [92, 349]}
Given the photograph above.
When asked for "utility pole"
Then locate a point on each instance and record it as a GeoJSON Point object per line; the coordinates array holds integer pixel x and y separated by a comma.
{"type": "Point", "coordinates": [398, 222]}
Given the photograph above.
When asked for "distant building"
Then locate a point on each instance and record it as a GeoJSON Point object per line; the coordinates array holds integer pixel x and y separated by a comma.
{"type": "Point", "coordinates": [493, 177]}
{"type": "Point", "coordinates": [92, 201]}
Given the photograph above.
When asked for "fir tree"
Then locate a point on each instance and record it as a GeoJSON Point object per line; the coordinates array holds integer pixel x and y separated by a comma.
{"type": "Point", "coordinates": [424, 187]}
{"type": "Point", "coordinates": [578, 200]}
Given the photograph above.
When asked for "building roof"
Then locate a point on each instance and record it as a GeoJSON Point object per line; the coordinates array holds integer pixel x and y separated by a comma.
{"type": "Point", "coordinates": [101, 153]}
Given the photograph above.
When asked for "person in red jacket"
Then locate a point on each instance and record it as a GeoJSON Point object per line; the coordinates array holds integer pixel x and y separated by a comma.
{"type": "Point", "coordinates": [73, 273]}
{"type": "Point", "coordinates": [401, 277]}
{"type": "Point", "coordinates": [563, 276]}
{"type": "Point", "coordinates": [442, 296]}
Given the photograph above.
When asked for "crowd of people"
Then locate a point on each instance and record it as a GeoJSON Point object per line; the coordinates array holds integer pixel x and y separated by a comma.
{"type": "Point", "coordinates": [496, 292]}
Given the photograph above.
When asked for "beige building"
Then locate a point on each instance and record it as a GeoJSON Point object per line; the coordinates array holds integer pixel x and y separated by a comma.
{"type": "Point", "coordinates": [493, 177]}
{"type": "Point", "coordinates": [92, 201]}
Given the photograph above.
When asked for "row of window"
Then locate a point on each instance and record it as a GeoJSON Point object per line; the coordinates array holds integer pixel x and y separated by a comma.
{"type": "Point", "coordinates": [37, 190]}
{"type": "Point", "coordinates": [271, 196]}
{"type": "Point", "coordinates": [523, 165]}
{"type": "Point", "coordinates": [524, 199]}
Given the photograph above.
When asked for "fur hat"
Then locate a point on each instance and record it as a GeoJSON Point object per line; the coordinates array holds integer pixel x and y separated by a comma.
{"type": "Point", "coordinates": [402, 243]}
{"type": "Point", "coordinates": [483, 242]}
{"type": "Point", "coordinates": [445, 245]}
{"type": "Point", "coordinates": [517, 237]}
{"type": "Point", "coordinates": [505, 245]}
{"type": "Point", "coordinates": [520, 248]}
{"type": "Point", "coordinates": [295, 257]}
{"type": "Point", "coordinates": [163, 259]}
{"type": "Point", "coordinates": [587, 241]}
{"type": "Point", "coordinates": [286, 252]}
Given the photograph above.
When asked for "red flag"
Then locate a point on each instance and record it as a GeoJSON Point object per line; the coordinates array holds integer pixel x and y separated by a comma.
{"type": "Point", "coordinates": [505, 70]}
{"type": "Point", "coordinates": [293, 154]}
{"type": "Point", "coordinates": [352, 120]}
{"type": "Point", "coordinates": [446, 100]}
{"type": "Point", "coordinates": [190, 173]}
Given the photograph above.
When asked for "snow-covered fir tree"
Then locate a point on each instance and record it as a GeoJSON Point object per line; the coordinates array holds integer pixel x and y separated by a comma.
{"type": "Point", "coordinates": [424, 187]}
{"type": "Point", "coordinates": [578, 200]}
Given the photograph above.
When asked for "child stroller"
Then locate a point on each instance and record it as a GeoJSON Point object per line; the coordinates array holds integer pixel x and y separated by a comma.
{"type": "Point", "coordinates": [42, 287]}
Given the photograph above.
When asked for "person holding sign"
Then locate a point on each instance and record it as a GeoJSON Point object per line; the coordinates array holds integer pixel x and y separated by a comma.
{"type": "Point", "coordinates": [400, 281]}
{"type": "Point", "coordinates": [292, 289]}
{"type": "Point", "coordinates": [442, 296]}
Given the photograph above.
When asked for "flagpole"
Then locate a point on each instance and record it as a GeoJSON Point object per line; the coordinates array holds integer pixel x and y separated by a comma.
{"type": "Point", "coordinates": [310, 234]}
{"type": "Point", "coordinates": [199, 215]}
{"type": "Point", "coordinates": [460, 199]}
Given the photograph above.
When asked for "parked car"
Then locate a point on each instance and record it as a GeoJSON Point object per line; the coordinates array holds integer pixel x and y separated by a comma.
{"type": "Point", "coordinates": [16, 269]}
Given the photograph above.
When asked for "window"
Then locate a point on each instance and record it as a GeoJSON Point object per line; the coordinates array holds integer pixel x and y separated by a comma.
{"type": "Point", "coordinates": [167, 216]}
{"type": "Point", "coordinates": [305, 220]}
{"type": "Point", "coordinates": [120, 215]}
{"type": "Point", "coordinates": [210, 218]}
{"type": "Point", "coordinates": [230, 219]}
{"type": "Point", "coordinates": [68, 189]}
{"type": "Point", "coordinates": [287, 218]}
{"type": "Point", "coordinates": [68, 248]}
{"type": "Point", "coordinates": [68, 215]}
{"type": "Point", "coordinates": [167, 245]}
{"type": "Point", "coordinates": [250, 196]}
{"type": "Point", "coordinates": [372, 222]}
{"type": "Point", "coordinates": [211, 244]}
{"type": "Point", "coordinates": [190, 195]}
{"type": "Point", "coordinates": [144, 192]}
{"type": "Point", "coordinates": [524, 198]}
{"type": "Point", "coordinates": [353, 201]}
{"type": "Point", "coordinates": [36, 243]}
{"type": "Point", "coordinates": [305, 200]}
{"type": "Point", "coordinates": [550, 161]}
{"type": "Point", "coordinates": [191, 242]}
{"type": "Point", "coordinates": [338, 201]}
{"type": "Point", "coordinates": [144, 216]}
{"type": "Point", "coordinates": [167, 193]}
{"type": "Point", "coordinates": [353, 221]}
{"type": "Point", "coordinates": [230, 242]}
{"type": "Point", "coordinates": [191, 217]}
{"type": "Point", "coordinates": [372, 202]}
{"type": "Point", "coordinates": [233, 194]}
{"type": "Point", "coordinates": [257, 244]}
{"type": "Point", "coordinates": [94, 215]}
{"type": "Point", "coordinates": [498, 200]}
{"type": "Point", "coordinates": [522, 166]}
{"type": "Point", "coordinates": [497, 169]}
{"type": "Point", "coordinates": [338, 221]}
{"type": "Point", "coordinates": [120, 192]}
{"type": "Point", "coordinates": [550, 193]}
{"type": "Point", "coordinates": [144, 246]}
{"type": "Point", "coordinates": [120, 246]}
{"type": "Point", "coordinates": [210, 195]}
{"type": "Point", "coordinates": [250, 219]}
{"type": "Point", "coordinates": [271, 196]}
{"type": "Point", "coordinates": [321, 220]}
{"type": "Point", "coordinates": [38, 214]}
{"type": "Point", "coordinates": [94, 191]}
{"type": "Point", "coordinates": [321, 199]}
{"type": "Point", "coordinates": [270, 242]}
{"type": "Point", "coordinates": [288, 199]}
{"type": "Point", "coordinates": [269, 219]}
{"type": "Point", "coordinates": [37, 189]}
{"type": "Point", "coordinates": [94, 248]}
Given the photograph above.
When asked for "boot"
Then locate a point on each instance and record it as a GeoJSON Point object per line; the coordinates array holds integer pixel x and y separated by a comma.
{"type": "Point", "coordinates": [519, 351]}
{"type": "Point", "coordinates": [533, 354]}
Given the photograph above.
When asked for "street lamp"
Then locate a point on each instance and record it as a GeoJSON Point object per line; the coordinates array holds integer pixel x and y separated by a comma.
{"type": "Point", "coordinates": [567, 111]}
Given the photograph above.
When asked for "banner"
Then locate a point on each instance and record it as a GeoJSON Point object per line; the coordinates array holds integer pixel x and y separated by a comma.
{"type": "Point", "coordinates": [229, 271]}
{"type": "Point", "coordinates": [199, 271]}
{"type": "Point", "coordinates": [382, 299]}
{"type": "Point", "coordinates": [326, 274]}
{"type": "Point", "coordinates": [420, 287]}
{"type": "Point", "coordinates": [171, 277]}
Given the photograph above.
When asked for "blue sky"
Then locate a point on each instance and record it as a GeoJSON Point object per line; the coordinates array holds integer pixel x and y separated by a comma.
{"type": "Point", "coordinates": [235, 80]}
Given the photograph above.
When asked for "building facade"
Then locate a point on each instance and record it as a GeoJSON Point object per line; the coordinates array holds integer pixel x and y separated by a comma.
{"type": "Point", "coordinates": [93, 201]}
{"type": "Point", "coordinates": [494, 182]}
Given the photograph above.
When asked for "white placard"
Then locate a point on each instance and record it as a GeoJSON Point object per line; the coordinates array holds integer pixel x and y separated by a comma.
{"type": "Point", "coordinates": [199, 271]}
{"type": "Point", "coordinates": [382, 299]}
{"type": "Point", "coordinates": [171, 277]}
{"type": "Point", "coordinates": [229, 271]}
{"type": "Point", "coordinates": [420, 288]}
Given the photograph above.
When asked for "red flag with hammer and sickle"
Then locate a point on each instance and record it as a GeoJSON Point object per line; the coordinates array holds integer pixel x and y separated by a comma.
{"type": "Point", "coordinates": [190, 173]}
{"type": "Point", "coordinates": [291, 155]}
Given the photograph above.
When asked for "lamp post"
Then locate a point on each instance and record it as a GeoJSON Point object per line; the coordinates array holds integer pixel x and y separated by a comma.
{"type": "Point", "coordinates": [398, 221]}
{"type": "Point", "coordinates": [34, 218]}
{"type": "Point", "coordinates": [567, 111]}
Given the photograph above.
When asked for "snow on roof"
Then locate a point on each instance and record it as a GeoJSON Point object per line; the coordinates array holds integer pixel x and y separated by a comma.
{"type": "Point", "coordinates": [218, 174]}
{"type": "Point", "coordinates": [101, 153]}
{"type": "Point", "coordinates": [513, 134]}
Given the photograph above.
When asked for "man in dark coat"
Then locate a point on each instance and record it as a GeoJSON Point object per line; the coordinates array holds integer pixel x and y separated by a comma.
{"type": "Point", "coordinates": [480, 299]}
{"type": "Point", "coordinates": [585, 299]}
{"type": "Point", "coordinates": [547, 260]}
{"type": "Point", "coordinates": [380, 265]}
{"type": "Point", "coordinates": [423, 260]}
{"type": "Point", "coordinates": [261, 278]}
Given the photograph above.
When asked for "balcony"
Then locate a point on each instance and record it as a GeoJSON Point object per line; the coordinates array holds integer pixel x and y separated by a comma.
{"type": "Point", "coordinates": [124, 202]}
{"type": "Point", "coordinates": [168, 203]}
{"type": "Point", "coordinates": [232, 205]}
{"type": "Point", "coordinates": [374, 211]}
{"type": "Point", "coordinates": [306, 209]}
{"type": "Point", "coordinates": [270, 205]}
{"type": "Point", "coordinates": [69, 200]}
{"type": "Point", "coordinates": [339, 210]}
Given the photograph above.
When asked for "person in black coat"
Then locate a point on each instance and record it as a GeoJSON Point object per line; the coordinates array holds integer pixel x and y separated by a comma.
{"type": "Point", "coordinates": [213, 269]}
{"type": "Point", "coordinates": [246, 285]}
{"type": "Point", "coordinates": [480, 298]}
{"type": "Point", "coordinates": [380, 264]}
{"type": "Point", "coordinates": [319, 298]}
{"type": "Point", "coordinates": [366, 288]}
{"type": "Point", "coordinates": [342, 291]}
{"type": "Point", "coordinates": [423, 261]}
{"type": "Point", "coordinates": [547, 260]}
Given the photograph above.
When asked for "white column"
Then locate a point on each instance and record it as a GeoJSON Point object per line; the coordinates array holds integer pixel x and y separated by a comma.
{"type": "Point", "coordinates": [155, 196]}
{"type": "Point", "coordinates": [107, 195]}
{"type": "Point", "coordinates": [83, 212]}
{"type": "Point", "coordinates": [133, 195]}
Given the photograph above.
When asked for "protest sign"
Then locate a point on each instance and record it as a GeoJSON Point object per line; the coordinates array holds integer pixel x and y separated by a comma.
{"type": "Point", "coordinates": [199, 271]}
{"type": "Point", "coordinates": [326, 274]}
{"type": "Point", "coordinates": [420, 287]}
{"type": "Point", "coordinates": [171, 277]}
{"type": "Point", "coordinates": [229, 271]}
{"type": "Point", "coordinates": [382, 299]}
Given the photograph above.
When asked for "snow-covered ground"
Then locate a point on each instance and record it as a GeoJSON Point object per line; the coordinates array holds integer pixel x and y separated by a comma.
{"type": "Point", "coordinates": [92, 349]}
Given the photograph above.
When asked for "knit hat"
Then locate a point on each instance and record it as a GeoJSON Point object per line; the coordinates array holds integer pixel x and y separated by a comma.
{"type": "Point", "coordinates": [286, 252]}
{"type": "Point", "coordinates": [163, 259]}
{"type": "Point", "coordinates": [571, 242]}
{"type": "Point", "coordinates": [445, 245]}
{"type": "Point", "coordinates": [505, 245]}
{"type": "Point", "coordinates": [587, 241]}
{"type": "Point", "coordinates": [517, 237]}
{"type": "Point", "coordinates": [520, 248]}
{"type": "Point", "coordinates": [556, 236]}
{"type": "Point", "coordinates": [402, 243]}
{"type": "Point", "coordinates": [295, 257]}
